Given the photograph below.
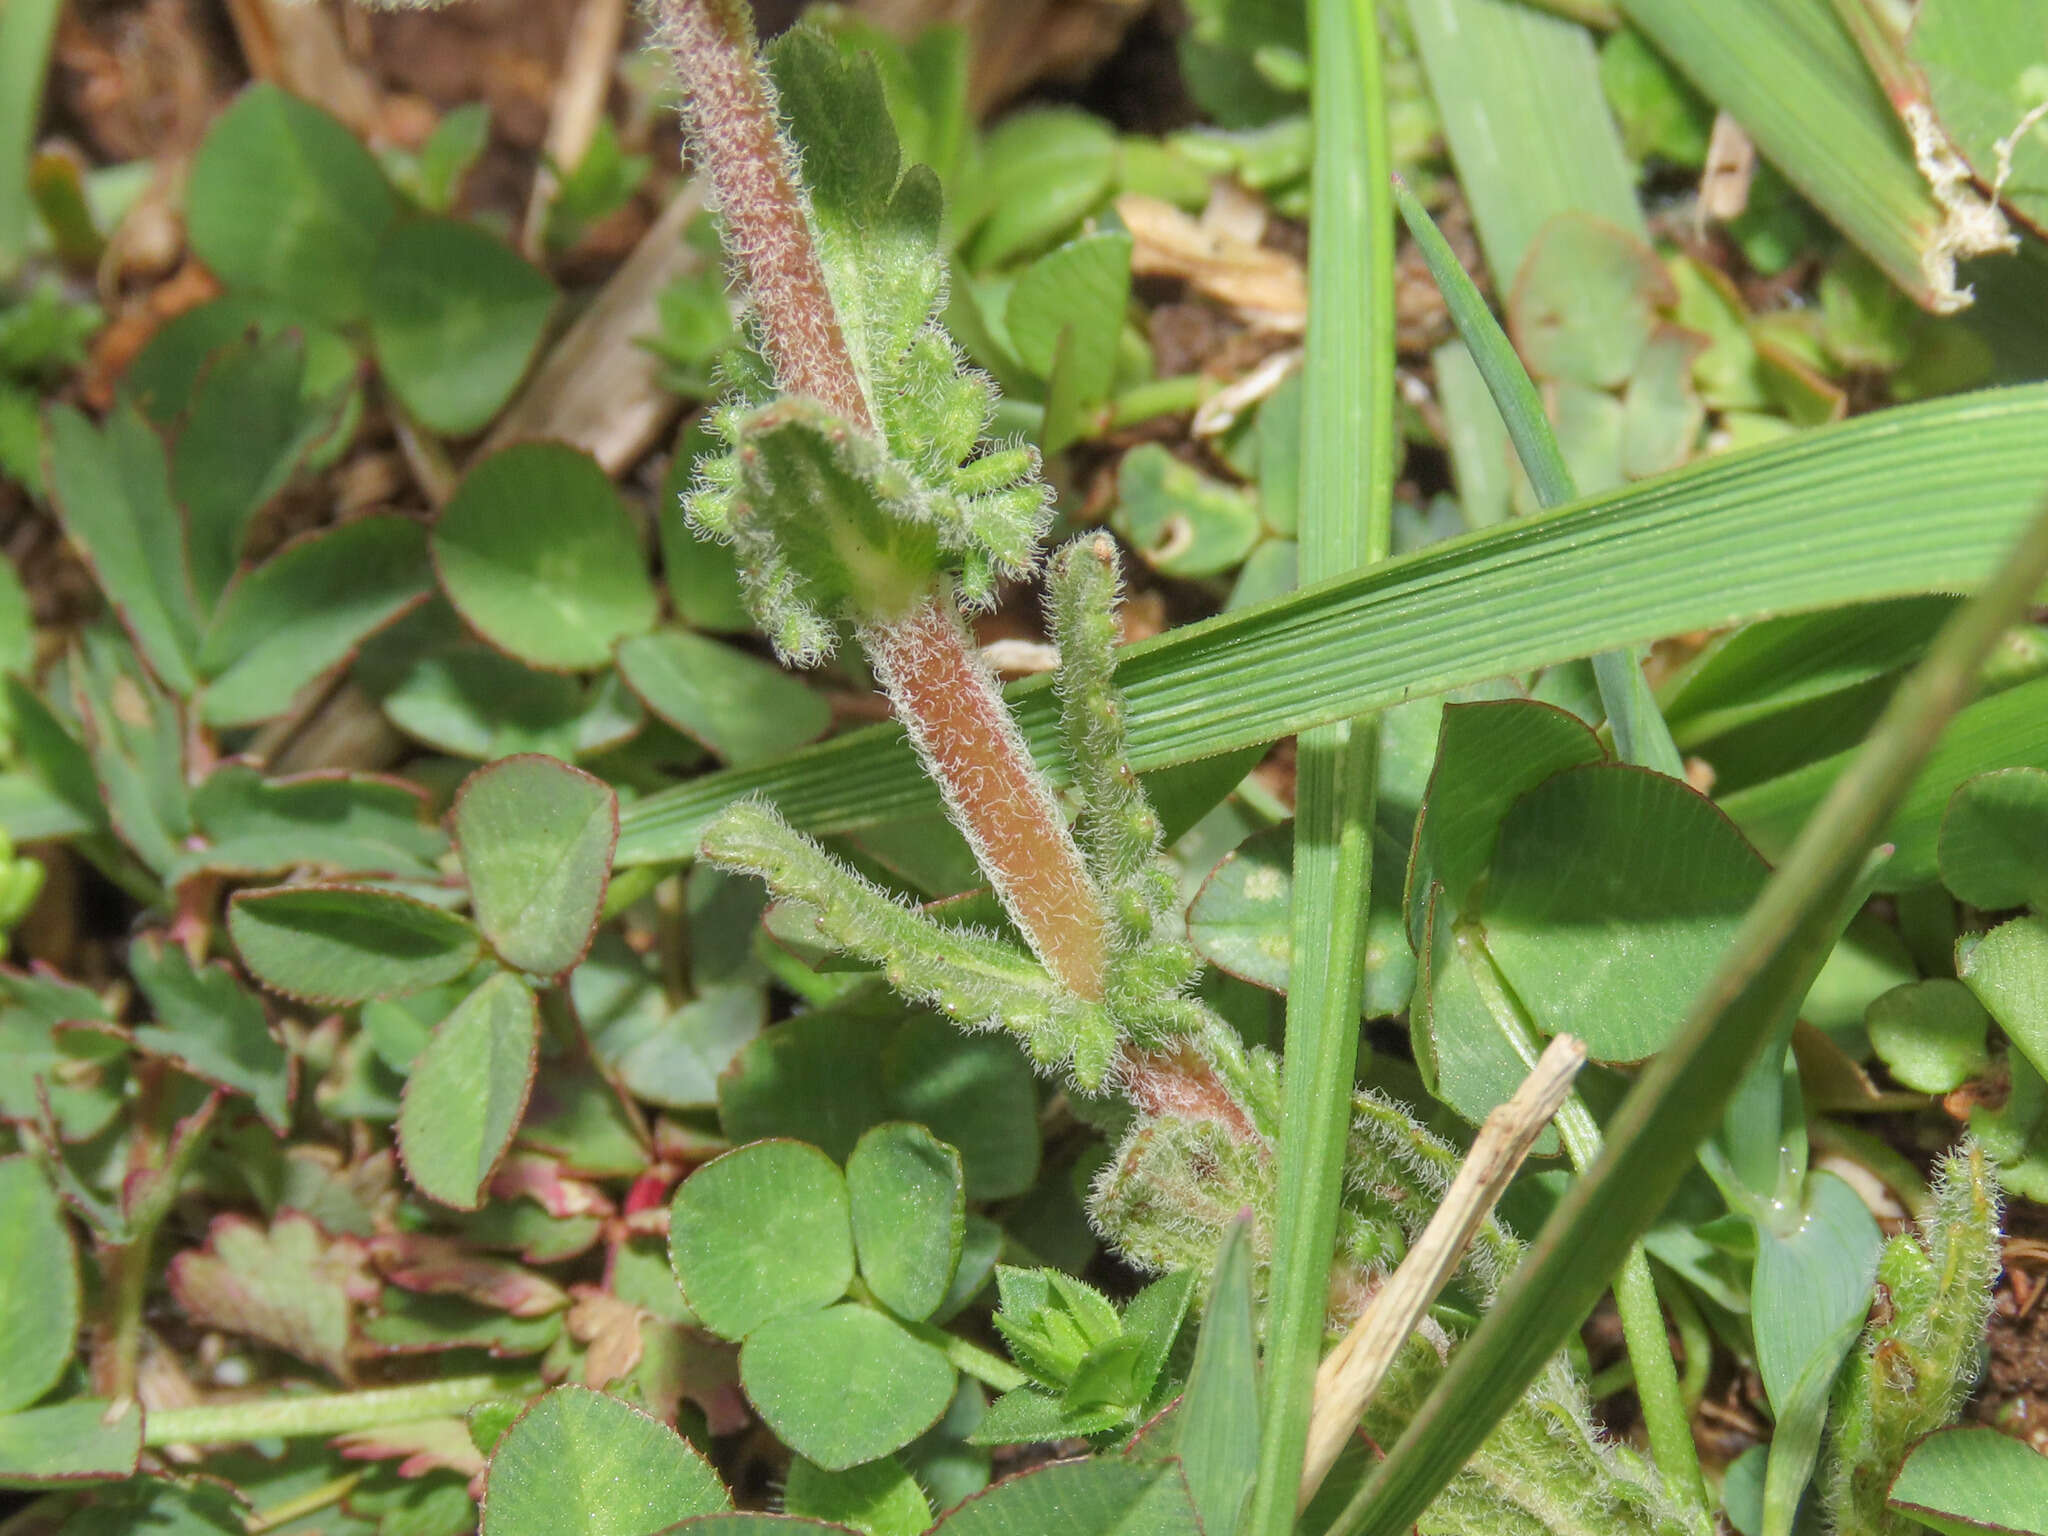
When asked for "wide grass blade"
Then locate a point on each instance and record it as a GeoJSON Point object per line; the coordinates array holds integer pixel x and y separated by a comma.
{"type": "Point", "coordinates": [1348, 464]}
{"type": "Point", "coordinates": [1922, 499]}
{"type": "Point", "coordinates": [1788, 72]}
{"type": "Point", "coordinates": [1653, 1137]}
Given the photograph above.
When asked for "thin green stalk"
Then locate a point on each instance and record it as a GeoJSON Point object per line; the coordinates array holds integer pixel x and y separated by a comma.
{"type": "Point", "coordinates": [1348, 466]}
{"type": "Point", "coordinates": [126, 1265]}
{"type": "Point", "coordinates": [1655, 1135]}
{"type": "Point", "coordinates": [328, 1413]}
{"type": "Point", "coordinates": [1160, 397]}
{"type": "Point", "coordinates": [1698, 1341]}
{"type": "Point", "coordinates": [1640, 734]}
{"type": "Point", "coordinates": [1654, 1372]}
{"type": "Point", "coordinates": [1665, 1416]}
{"type": "Point", "coordinates": [310, 1502]}
{"type": "Point", "coordinates": [969, 1359]}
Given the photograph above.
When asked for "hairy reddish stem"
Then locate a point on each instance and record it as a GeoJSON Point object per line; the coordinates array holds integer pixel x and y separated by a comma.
{"type": "Point", "coordinates": [948, 702]}
{"type": "Point", "coordinates": [760, 199]}
{"type": "Point", "coordinates": [926, 660]}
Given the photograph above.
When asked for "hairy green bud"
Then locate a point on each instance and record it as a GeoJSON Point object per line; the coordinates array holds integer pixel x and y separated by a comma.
{"type": "Point", "coordinates": [1922, 1350]}
{"type": "Point", "coordinates": [1148, 961]}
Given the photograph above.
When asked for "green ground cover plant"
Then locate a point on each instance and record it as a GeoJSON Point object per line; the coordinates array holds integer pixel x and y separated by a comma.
{"type": "Point", "coordinates": [554, 1071]}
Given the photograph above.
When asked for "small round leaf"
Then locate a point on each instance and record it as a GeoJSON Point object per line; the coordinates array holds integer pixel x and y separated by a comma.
{"type": "Point", "coordinates": [909, 1216]}
{"type": "Point", "coordinates": [2008, 970]}
{"type": "Point", "coordinates": [343, 944]}
{"type": "Point", "coordinates": [467, 1091]}
{"type": "Point", "coordinates": [455, 317]}
{"type": "Point", "coordinates": [1930, 1034]}
{"type": "Point", "coordinates": [536, 838]}
{"type": "Point", "coordinates": [845, 1385]}
{"type": "Point", "coordinates": [1586, 301]}
{"type": "Point", "coordinates": [1994, 840]}
{"type": "Point", "coordinates": [541, 556]}
{"type": "Point", "coordinates": [578, 1463]}
{"type": "Point", "coordinates": [284, 200]}
{"type": "Point", "coordinates": [761, 1233]}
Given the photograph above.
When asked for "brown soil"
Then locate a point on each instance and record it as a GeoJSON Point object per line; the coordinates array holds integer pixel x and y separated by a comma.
{"type": "Point", "coordinates": [2014, 1392]}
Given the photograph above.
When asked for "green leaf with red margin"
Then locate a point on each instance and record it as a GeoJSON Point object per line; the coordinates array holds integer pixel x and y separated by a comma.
{"type": "Point", "coordinates": [289, 1286]}
{"type": "Point", "coordinates": [283, 199]}
{"type": "Point", "coordinates": [468, 1090]}
{"type": "Point", "coordinates": [763, 1232]}
{"type": "Point", "coordinates": [111, 489]}
{"type": "Point", "coordinates": [212, 1026]}
{"type": "Point", "coordinates": [346, 824]}
{"type": "Point", "coordinates": [456, 316]}
{"type": "Point", "coordinates": [344, 944]}
{"type": "Point", "coordinates": [536, 838]}
{"type": "Point", "coordinates": [69, 1443]}
{"type": "Point", "coordinates": [305, 611]}
{"type": "Point", "coordinates": [578, 1463]}
{"type": "Point", "coordinates": [845, 1385]}
{"type": "Point", "coordinates": [909, 1216]}
{"type": "Point", "coordinates": [38, 1286]}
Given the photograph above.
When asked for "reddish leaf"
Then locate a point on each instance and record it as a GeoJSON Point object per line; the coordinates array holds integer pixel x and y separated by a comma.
{"type": "Point", "coordinates": [610, 1328]}
{"type": "Point", "coordinates": [542, 1180]}
{"type": "Point", "coordinates": [419, 1448]}
{"type": "Point", "coordinates": [435, 1266]}
{"type": "Point", "coordinates": [291, 1286]}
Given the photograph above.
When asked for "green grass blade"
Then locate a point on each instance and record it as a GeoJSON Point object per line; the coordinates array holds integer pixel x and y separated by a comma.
{"type": "Point", "coordinates": [1527, 121]}
{"type": "Point", "coordinates": [1640, 734]}
{"type": "Point", "coordinates": [1217, 1433]}
{"type": "Point", "coordinates": [1347, 448]}
{"type": "Point", "coordinates": [1787, 71]}
{"type": "Point", "coordinates": [1514, 392]}
{"type": "Point", "coordinates": [1653, 1136]}
{"type": "Point", "coordinates": [1921, 499]}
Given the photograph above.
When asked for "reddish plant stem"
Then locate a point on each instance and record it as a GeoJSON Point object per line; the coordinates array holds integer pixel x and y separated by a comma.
{"type": "Point", "coordinates": [1178, 1082]}
{"type": "Point", "coordinates": [949, 704]}
{"type": "Point", "coordinates": [754, 183]}
{"type": "Point", "coordinates": [926, 660]}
